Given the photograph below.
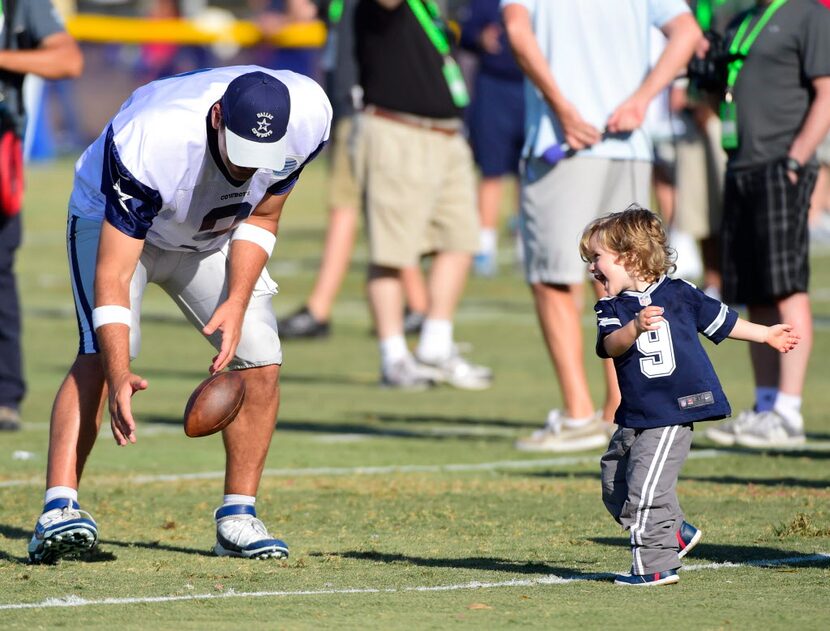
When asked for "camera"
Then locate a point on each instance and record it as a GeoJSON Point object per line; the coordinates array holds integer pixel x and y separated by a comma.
{"type": "Point", "coordinates": [709, 73]}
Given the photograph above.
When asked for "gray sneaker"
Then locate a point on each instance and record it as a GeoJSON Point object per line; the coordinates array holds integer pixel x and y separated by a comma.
{"type": "Point", "coordinates": [725, 433]}
{"type": "Point", "coordinates": [406, 374]}
{"type": "Point", "coordinates": [770, 430]}
{"type": "Point", "coordinates": [560, 435]}
{"type": "Point", "coordinates": [458, 372]}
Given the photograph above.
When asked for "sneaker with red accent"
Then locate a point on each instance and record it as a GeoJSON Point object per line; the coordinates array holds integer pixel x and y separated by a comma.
{"type": "Point", "coordinates": [669, 577]}
{"type": "Point", "coordinates": [687, 538]}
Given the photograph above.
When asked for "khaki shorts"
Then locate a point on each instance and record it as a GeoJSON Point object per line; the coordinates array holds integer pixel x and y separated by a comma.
{"type": "Point", "coordinates": [343, 189]}
{"type": "Point", "coordinates": [557, 204]}
{"type": "Point", "coordinates": [701, 165]}
{"type": "Point", "coordinates": [419, 191]}
{"type": "Point", "coordinates": [197, 283]}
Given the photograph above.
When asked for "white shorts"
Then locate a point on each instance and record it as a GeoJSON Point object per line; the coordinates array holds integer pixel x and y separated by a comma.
{"type": "Point", "coordinates": [557, 204]}
{"type": "Point", "coordinates": [197, 283]}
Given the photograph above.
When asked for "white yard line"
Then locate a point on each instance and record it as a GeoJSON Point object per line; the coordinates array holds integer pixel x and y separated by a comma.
{"type": "Point", "coordinates": [345, 471]}
{"type": "Point", "coordinates": [550, 579]}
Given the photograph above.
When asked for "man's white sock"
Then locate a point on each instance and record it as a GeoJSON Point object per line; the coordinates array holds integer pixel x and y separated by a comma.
{"type": "Point", "coordinates": [392, 349]}
{"type": "Point", "coordinates": [789, 406]}
{"type": "Point", "coordinates": [54, 492]}
{"type": "Point", "coordinates": [435, 343]}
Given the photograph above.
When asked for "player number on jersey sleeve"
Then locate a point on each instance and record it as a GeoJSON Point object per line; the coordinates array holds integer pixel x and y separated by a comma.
{"type": "Point", "coordinates": [658, 350]}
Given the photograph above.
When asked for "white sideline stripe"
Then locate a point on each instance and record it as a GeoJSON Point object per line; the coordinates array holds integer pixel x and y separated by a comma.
{"type": "Point", "coordinates": [550, 579]}
{"type": "Point", "coordinates": [415, 468]}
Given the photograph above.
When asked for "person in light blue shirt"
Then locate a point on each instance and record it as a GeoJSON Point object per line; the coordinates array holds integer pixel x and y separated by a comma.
{"type": "Point", "coordinates": [589, 82]}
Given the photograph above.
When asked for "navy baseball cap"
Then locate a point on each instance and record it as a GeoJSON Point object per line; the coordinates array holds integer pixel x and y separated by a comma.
{"type": "Point", "coordinates": [255, 108]}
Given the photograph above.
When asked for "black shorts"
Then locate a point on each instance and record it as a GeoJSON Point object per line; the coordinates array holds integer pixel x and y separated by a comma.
{"type": "Point", "coordinates": [765, 239]}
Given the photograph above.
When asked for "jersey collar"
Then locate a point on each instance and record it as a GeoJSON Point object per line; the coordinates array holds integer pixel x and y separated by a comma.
{"type": "Point", "coordinates": [644, 297]}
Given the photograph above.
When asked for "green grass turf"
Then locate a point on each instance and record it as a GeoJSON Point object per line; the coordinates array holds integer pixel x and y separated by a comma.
{"type": "Point", "coordinates": [393, 530]}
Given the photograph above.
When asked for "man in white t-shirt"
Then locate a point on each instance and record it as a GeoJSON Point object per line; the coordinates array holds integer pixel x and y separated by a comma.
{"type": "Point", "coordinates": [184, 188]}
{"type": "Point", "coordinates": [589, 83]}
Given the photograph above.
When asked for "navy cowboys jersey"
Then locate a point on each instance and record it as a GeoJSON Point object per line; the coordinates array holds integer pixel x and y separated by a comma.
{"type": "Point", "coordinates": [666, 377]}
{"type": "Point", "coordinates": [155, 172]}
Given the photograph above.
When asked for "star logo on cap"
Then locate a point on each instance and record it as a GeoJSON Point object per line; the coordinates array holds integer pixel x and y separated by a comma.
{"type": "Point", "coordinates": [263, 128]}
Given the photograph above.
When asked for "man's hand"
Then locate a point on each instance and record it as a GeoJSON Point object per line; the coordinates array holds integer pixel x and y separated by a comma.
{"type": "Point", "coordinates": [489, 39]}
{"type": "Point", "coordinates": [782, 338]}
{"type": "Point", "coordinates": [120, 402]}
{"type": "Point", "coordinates": [628, 116]}
{"type": "Point", "coordinates": [228, 319]}
{"type": "Point", "coordinates": [578, 132]}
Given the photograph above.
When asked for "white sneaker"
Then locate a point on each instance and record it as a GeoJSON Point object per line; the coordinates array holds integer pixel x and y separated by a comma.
{"type": "Point", "coordinates": [63, 529]}
{"type": "Point", "coordinates": [770, 430]}
{"type": "Point", "coordinates": [458, 372]}
{"type": "Point", "coordinates": [406, 374]}
{"type": "Point", "coordinates": [240, 534]}
{"type": "Point", "coordinates": [726, 432]}
{"type": "Point", "coordinates": [560, 434]}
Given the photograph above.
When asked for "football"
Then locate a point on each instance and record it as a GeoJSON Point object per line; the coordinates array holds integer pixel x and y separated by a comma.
{"type": "Point", "coordinates": [214, 404]}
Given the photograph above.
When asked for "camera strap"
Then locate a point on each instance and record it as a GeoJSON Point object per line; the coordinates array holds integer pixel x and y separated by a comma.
{"type": "Point", "coordinates": [429, 17]}
{"type": "Point", "coordinates": [738, 50]}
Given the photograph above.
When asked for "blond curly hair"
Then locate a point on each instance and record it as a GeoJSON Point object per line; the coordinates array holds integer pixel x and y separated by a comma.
{"type": "Point", "coordinates": [637, 235]}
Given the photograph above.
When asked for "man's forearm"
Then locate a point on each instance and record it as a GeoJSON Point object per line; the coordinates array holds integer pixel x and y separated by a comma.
{"type": "Point", "coordinates": [247, 260]}
{"type": "Point", "coordinates": [683, 36]}
{"type": "Point", "coordinates": [816, 124]}
{"type": "Point", "coordinates": [529, 56]}
{"type": "Point", "coordinates": [57, 58]}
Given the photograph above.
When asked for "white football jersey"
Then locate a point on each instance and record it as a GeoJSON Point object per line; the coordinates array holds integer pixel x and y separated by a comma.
{"type": "Point", "coordinates": [155, 172]}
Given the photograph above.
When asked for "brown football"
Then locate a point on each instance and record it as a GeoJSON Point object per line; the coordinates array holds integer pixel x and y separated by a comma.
{"type": "Point", "coordinates": [214, 404]}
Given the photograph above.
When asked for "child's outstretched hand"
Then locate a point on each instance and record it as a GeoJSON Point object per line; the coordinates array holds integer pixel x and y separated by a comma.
{"type": "Point", "coordinates": [782, 338]}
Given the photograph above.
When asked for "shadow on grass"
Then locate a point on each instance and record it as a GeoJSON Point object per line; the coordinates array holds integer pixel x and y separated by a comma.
{"type": "Point", "coordinates": [471, 563]}
{"type": "Point", "coordinates": [786, 482]}
{"type": "Point", "coordinates": [357, 428]}
{"type": "Point", "coordinates": [455, 420]}
{"type": "Point", "coordinates": [762, 556]}
{"type": "Point", "coordinates": [98, 554]}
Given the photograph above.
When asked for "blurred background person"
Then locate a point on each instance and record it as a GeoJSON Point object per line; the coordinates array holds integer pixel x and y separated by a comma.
{"type": "Point", "coordinates": [495, 120]}
{"type": "Point", "coordinates": [416, 172]}
{"type": "Point", "coordinates": [590, 81]}
{"type": "Point", "coordinates": [775, 113]}
{"type": "Point", "coordinates": [313, 319]}
{"type": "Point", "coordinates": [272, 16]}
{"type": "Point", "coordinates": [35, 41]}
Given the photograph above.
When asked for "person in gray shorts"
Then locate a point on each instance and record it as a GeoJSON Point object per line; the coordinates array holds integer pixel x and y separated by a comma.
{"type": "Point", "coordinates": [649, 325]}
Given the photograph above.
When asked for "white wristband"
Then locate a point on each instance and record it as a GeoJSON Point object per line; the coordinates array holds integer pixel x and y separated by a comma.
{"type": "Point", "coordinates": [262, 237]}
{"type": "Point", "coordinates": [111, 314]}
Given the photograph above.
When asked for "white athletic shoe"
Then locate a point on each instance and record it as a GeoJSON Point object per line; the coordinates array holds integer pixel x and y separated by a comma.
{"type": "Point", "coordinates": [564, 434]}
{"type": "Point", "coordinates": [240, 534]}
{"type": "Point", "coordinates": [406, 374]}
{"type": "Point", "coordinates": [726, 432]}
{"type": "Point", "coordinates": [458, 372]}
{"type": "Point", "coordinates": [770, 430]}
{"type": "Point", "coordinates": [63, 529]}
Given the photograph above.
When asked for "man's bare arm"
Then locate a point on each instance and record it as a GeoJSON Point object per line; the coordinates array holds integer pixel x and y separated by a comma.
{"type": "Point", "coordinates": [118, 256]}
{"type": "Point", "coordinates": [519, 28]}
{"type": "Point", "coordinates": [684, 35]}
{"type": "Point", "coordinates": [57, 57]}
{"type": "Point", "coordinates": [816, 124]}
{"type": "Point", "coordinates": [247, 260]}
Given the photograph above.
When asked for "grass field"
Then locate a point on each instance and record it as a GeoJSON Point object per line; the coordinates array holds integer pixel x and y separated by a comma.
{"type": "Point", "coordinates": [401, 510]}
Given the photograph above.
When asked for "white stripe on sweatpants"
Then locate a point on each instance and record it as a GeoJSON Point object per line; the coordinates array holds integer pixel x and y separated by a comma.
{"type": "Point", "coordinates": [672, 432]}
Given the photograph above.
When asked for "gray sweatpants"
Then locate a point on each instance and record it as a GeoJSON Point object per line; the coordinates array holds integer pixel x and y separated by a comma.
{"type": "Point", "coordinates": [639, 476]}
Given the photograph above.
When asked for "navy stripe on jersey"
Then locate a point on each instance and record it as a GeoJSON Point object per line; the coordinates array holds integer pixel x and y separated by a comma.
{"type": "Point", "coordinates": [130, 205]}
{"type": "Point", "coordinates": [82, 301]}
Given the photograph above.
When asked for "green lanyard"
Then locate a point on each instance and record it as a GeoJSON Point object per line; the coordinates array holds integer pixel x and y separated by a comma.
{"type": "Point", "coordinates": [429, 17]}
{"type": "Point", "coordinates": [740, 46]}
{"type": "Point", "coordinates": [335, 11]}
